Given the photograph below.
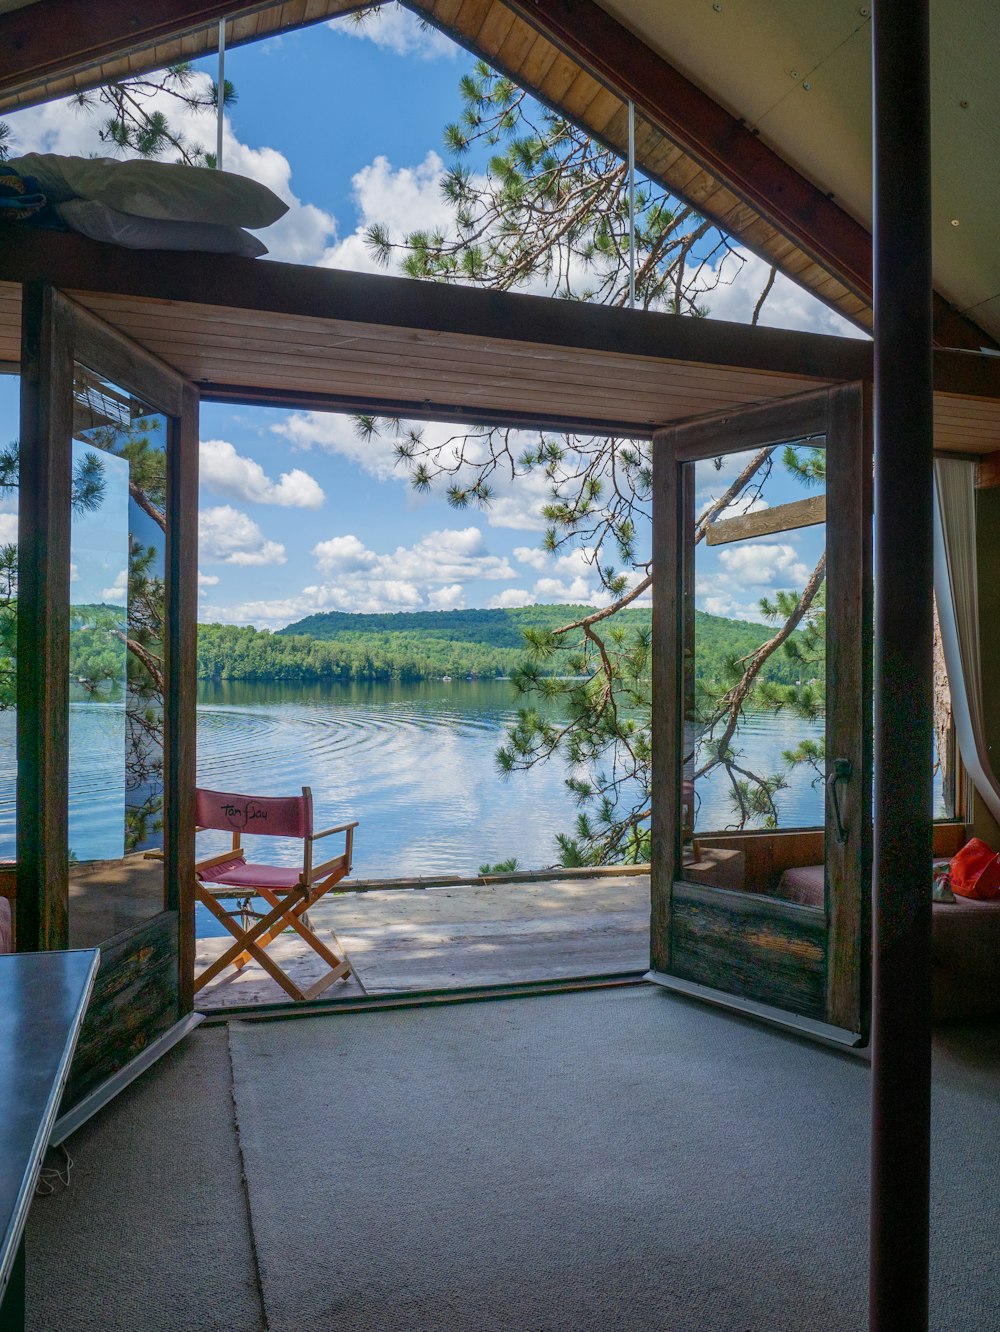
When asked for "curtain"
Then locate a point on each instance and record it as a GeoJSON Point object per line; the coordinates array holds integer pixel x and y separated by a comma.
{"type": "Point", "coordinates": [955, 574]}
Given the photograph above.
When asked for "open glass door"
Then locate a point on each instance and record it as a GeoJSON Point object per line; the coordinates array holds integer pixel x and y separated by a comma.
{"type": "Point", "coordinates": [762, 711]}
{"type": "Point", "coordinates": [107, 607]}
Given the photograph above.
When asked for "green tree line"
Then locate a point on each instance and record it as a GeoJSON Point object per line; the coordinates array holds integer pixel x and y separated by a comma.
{"type": "Point", "coordinates": [428, 645]}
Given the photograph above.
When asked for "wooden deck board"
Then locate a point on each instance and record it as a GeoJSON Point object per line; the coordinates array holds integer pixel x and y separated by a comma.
{"type": "Point", "coordinates": [443, 938]}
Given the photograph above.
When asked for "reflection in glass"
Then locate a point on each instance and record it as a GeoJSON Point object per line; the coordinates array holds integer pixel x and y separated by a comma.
{"type": "Point", "coordinates": [8, 646]}
{"type": "Point", "coordinates": [117, 567]}
{"type": "Point", "coordinates": [754, 634]}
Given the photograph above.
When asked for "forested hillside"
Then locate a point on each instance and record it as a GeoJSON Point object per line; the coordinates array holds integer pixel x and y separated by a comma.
{"type": "Point", "coordinates": [430, 644]}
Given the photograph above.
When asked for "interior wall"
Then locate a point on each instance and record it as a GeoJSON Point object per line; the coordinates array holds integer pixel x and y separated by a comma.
{"type": "Point", "coordinates": [988, 559]}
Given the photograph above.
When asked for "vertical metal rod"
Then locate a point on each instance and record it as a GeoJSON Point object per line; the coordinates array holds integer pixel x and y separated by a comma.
{"type": "Point", "coordinates": [631, 205]}
{"type": "Point", "coordinates": [901, 1019]}
{"type": "Point", "coordinates": [221, 94]}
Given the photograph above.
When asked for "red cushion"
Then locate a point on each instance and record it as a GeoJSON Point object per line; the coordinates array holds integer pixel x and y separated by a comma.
{"type": "Point", "coordinates": [237, 874]}
{"type": "Point", "coordinates": [975, 872]}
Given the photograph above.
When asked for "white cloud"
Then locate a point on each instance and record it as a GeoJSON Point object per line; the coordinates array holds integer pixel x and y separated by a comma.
{"type": "Point", "coordinates": [533, 557]}
{"type": "Point", "coordinates": [515, 504]}
{"type": "Point", "coordinates": [512, 597]}
{"type": "Point", "coordinates": [335, 433]}
{"type": "Point", "coordinates": [205, 581]}
{"type": "Point", "coordinates": [764, 564]}
{"type": "Point", "coordinates": [576, 590]}
{"type": "Point", "coordinates": [344, 554]}
{"type": "Point", "coordinates": [400, 199]}
{"type": "Point", "coordinates": [448, 556]}
{"type": "Point", "coordinates": [117, 593]}
{"type": "Point", "coordinates": [8, 529]}
{"type": "Point", "coordinates": [447, 598]}
{"type": "Point", "coordinates": [395, 29]}
{"type": "Point", "coordinates": [724, 604]}
{"type": "Point", "coordinates": [234, 476]}
{"type": "Point", "coordinates": [302, 236]}
{"type": "Point", "coordinates": [787, 305]}
{"type": "Point", "coordinates": [431, 573]}
{"type": "Point", "coordinates": [580, 560]}
{"type": "Point", "coordinates": [229, 536]}
{"type": "Point", "coordinates": [740, 507]}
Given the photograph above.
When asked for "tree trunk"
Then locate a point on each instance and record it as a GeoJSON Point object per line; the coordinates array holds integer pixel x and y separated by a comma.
{"type": "Point", "coordinates": [943, 733]}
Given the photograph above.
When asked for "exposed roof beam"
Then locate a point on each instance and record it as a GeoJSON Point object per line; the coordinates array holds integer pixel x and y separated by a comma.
{"type": "Point", "coordinates": [722, 144]}
{"type": "Point", "coordinates": [55, 37]}
{"type": "Point", "coordinates": [72, 262]}
{"type": "Point", "coordinates": [726, 147]}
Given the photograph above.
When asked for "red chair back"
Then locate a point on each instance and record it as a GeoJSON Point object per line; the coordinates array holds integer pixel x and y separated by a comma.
{"type": "Point", "coordinates": [272, 816]}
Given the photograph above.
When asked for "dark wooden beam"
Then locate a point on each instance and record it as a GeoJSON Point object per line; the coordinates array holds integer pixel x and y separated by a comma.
{"type": "Point", "coordinates": [43, 622]}
{"type": "Point", "coordinates": [988, 472]}
{"type": "Point", "coordinates": [53, 37]}
{"type": "Point", "coordinates": [903, 675]}
{"type": "Point", "coordinates": [71, 262]}
{"type": "Point", "coordinates": [722, 144]}
{"type": "Point", "coordinates": [727, 147]}
{"type": "Point", "coordinates": [181, 661]}
{"type": "Point", "coordinates": [424, 409]}
{"type": "Point", "coordinates": [767, 522]}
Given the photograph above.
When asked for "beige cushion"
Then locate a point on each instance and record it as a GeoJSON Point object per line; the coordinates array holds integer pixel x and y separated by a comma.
{"type": "Point", "coordinates": [171, 191]}
{"type": "Point", "coordinates": [101, 223]}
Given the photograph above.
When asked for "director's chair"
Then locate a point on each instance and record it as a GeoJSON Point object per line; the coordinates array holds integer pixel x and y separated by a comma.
{"type": "Point", "coordinates": [289, 892]}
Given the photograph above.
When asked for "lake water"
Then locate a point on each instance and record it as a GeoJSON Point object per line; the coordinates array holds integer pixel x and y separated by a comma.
{"type": "Point", "coordinates": [415, 763]}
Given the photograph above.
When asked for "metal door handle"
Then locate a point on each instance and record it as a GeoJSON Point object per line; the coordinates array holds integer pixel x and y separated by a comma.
{"type": "Point", "coordinates": [840, 772]}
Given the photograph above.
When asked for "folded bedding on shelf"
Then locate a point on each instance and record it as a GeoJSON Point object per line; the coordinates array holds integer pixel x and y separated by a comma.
{"type": "Point", "coordinates": [102, 223]}
{"type": "Point", "coordinates": [144, 205]}
{"type": "Point", "coordinates": [169, 191]}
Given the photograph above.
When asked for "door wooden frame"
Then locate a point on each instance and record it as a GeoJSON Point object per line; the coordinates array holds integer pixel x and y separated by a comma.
{"type": "Point", "coordinates": [842, 411]}
{"type": "Point", "coordinates": [56, 331]}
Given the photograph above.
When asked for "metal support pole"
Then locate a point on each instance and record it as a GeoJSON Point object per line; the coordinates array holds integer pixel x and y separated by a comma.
{"type": "Point", "coordinates": [220, 100]}
{"type": "Point", "coordinates": [631, 205]}
{"type": "Point", "coordinates": [901, 1018]}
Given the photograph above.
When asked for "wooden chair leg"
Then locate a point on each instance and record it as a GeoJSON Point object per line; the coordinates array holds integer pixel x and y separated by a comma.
{"type": "Point", "coordinates": [286, 912]}
{"type": "Point", "coordinates": [313, 894]}
{"type": "Point", "coordinates": [244, 938]}
{"type": "Point", "coordinates": [305, 931]}
{"type": "Point", "coordinates": [277, 974]}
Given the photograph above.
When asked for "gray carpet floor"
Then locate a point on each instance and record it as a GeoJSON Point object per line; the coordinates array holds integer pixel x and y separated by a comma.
{"type": "Point", "coordinates": [153, 1233]}
{"type": "Point", "coordinates": [610, 1159]}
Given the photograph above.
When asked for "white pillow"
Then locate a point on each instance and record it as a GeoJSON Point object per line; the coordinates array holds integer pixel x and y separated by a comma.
{"type": "Point", "coordinates": [169, 190]}
{"type": "Point", "coordinates": [101, 223]}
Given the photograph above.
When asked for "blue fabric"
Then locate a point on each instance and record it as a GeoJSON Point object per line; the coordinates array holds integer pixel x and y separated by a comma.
{"type": "Point", "coordinates": [20, 196]}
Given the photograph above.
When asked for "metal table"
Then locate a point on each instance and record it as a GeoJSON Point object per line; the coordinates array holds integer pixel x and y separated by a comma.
{"type": "Point", "coordinates": [43, 997]}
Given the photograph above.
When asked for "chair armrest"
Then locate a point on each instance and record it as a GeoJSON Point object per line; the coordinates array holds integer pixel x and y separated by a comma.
{"type": "Point", "coordinates": [221, 859]}
{"type": "Point", "coordinates": [324, 871]}
{"type": "Point", "coordinates": [341, 827]}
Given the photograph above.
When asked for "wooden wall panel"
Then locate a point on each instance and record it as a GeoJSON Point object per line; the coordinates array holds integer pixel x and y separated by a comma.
{"type": "Point", "coordinates": [135, 999]}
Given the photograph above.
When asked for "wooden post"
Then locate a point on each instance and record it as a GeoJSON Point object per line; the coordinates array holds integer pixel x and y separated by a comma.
{"type": "Point", "coordinates": [181, 650]}
{"type": "Point", "coordinates": [901, 1030]}
{"type": "Point", "coordinates": [45, 483]}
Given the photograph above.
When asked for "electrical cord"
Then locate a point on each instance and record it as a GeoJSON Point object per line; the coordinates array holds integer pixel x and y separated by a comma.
{"type": "Point", "coordinates": [52, 1180]}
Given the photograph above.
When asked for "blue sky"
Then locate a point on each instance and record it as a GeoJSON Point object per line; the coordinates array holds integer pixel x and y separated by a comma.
{"type": "Point", "coordinates": [299, 514]}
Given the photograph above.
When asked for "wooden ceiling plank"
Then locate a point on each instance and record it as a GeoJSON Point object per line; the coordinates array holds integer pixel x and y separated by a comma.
{"type": "Point", "coordinates": [496, 24]}
{"type": "Point", "coordinates": [558, 379]}
{"type": "Point", "coordinates": [338, 338]}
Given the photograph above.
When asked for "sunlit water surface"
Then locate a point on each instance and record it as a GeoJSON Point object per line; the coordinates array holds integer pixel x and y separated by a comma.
{"type": "Point", "coordinates": [414, 763]}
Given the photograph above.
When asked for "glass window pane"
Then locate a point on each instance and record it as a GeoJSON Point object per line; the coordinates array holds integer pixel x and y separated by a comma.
{"type": "Point", "coordinates": [754, 656]}
{"type": "Point", "coordinates": [9, 412]}
{"type": "Point", "coordinates": [117, 569]}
